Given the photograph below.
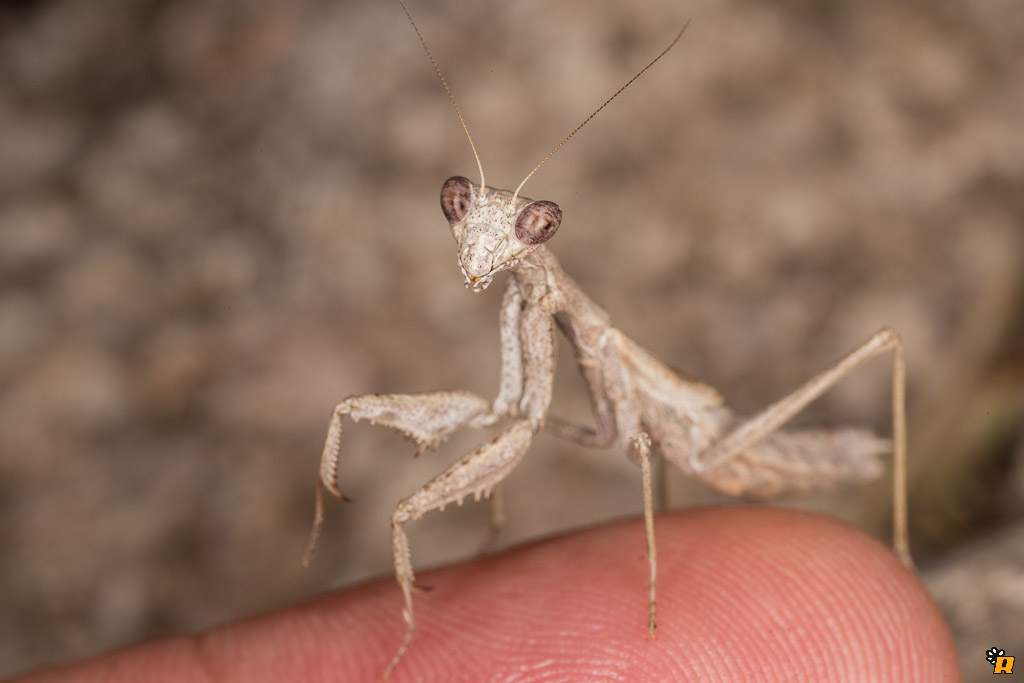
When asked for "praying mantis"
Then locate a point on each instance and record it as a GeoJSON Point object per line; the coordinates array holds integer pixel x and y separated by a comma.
{"type": "Point", "coordinates": [638, 402]}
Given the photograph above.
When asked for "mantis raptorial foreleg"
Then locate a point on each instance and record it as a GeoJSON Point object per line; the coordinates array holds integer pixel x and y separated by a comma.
{"type": "Point", "coordinates": [476, 474]}
{"type": "Point", "coordinates": [429, 419]}
{"type": "Point", "coordinates": [426, 419]}
{"type": "Point", "coordinates": [510, 389]}
{"type": "Point", "coordinates": [480, 471]}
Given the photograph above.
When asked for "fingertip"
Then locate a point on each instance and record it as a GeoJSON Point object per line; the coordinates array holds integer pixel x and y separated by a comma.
{"type": "Point", "coordinates": [745, 593]}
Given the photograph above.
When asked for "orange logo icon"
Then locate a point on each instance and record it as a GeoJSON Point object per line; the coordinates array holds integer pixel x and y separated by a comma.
{"type": "Point", "coordinates": [1001, 663]}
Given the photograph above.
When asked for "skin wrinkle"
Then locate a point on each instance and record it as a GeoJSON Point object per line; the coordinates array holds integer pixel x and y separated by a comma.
{"type": "Point", "coordinates": [831, 600]}
{"type": "Point", "coordinates": [863, 624]}
{"type": "Point", "coordinates": [707, 628]}
{"type": "Point", "coordinates": [826, 629]}
{"type": "Point", "coordinates": [781, 619]}
{"type": "Point", "coordinates": [480, 637]}
{"type": "Point", "coordinates": [537, 671]}
{"type": "Point", "coordinates": [438, 663]}
{"type": "Point", "coordinates": [614, 659]}
{"type": "Point", "coordinates": [713, 652]}
{"type": "Point", "coordinates": [866, 619]}
{"type": "Point", "coordinates": [896, 620]}
{"type": "Point", "coordinates": [585, 642]}
{"type": "Point", "coordinates": [736, 653]}
{"type": "Point", "coordinates": [844, 660]}
{"type": "Point", "coordinates": [835, 599]}
{"type": "Point", "coordinates": [706, 658]}
{"type": "Point", "coordinates": [449, 601]}
{"type": "Point", "coordinates": [887, 622]}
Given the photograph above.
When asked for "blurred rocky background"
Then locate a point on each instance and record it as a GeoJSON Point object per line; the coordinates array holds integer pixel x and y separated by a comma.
{"type": "Point", "coordinates": [217, 219]}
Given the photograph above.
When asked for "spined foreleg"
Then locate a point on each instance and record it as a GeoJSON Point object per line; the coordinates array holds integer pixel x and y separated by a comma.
{"type": "Point", "coordinates": [476, 474]}
{"type": "Point", "coordinates": [426, 419]}
{"type": "Point", "coordinates": [480, 471]}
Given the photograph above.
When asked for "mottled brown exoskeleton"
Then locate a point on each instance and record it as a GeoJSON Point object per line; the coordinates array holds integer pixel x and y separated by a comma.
{"type": "Point", "coordinates": [639, 403]}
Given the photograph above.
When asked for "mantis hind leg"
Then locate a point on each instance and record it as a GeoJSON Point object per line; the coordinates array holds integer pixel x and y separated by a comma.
{"type": "Point", "coordinates": [753, 458]}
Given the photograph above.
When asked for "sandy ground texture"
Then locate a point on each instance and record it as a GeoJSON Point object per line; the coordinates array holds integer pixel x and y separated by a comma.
{"type": "Point", "coordinates": [218, 219]}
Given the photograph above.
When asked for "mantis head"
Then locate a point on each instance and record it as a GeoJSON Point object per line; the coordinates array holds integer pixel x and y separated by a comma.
{"type": "Point", "coordinates": [495, 229]}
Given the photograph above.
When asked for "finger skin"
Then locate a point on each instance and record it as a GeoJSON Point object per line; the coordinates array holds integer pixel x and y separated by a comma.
{"type": "Point", "coordinates": [744, 594]}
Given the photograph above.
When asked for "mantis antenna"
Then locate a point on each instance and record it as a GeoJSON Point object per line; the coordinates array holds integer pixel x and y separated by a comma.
{"type": "Point", "coordinates": [596, 111]}
{"type": "Point", "coordinates": [444, 83]}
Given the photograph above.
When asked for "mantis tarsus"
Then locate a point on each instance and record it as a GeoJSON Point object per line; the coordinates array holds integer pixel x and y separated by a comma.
{"type": "Point", "coordinates": [638, 402]}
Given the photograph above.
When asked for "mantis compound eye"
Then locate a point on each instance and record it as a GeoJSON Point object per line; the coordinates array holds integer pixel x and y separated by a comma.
{"type": "Point", "coordinates": [456, 197]}
{"type": "Point", "coordinates": [538, 222]}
